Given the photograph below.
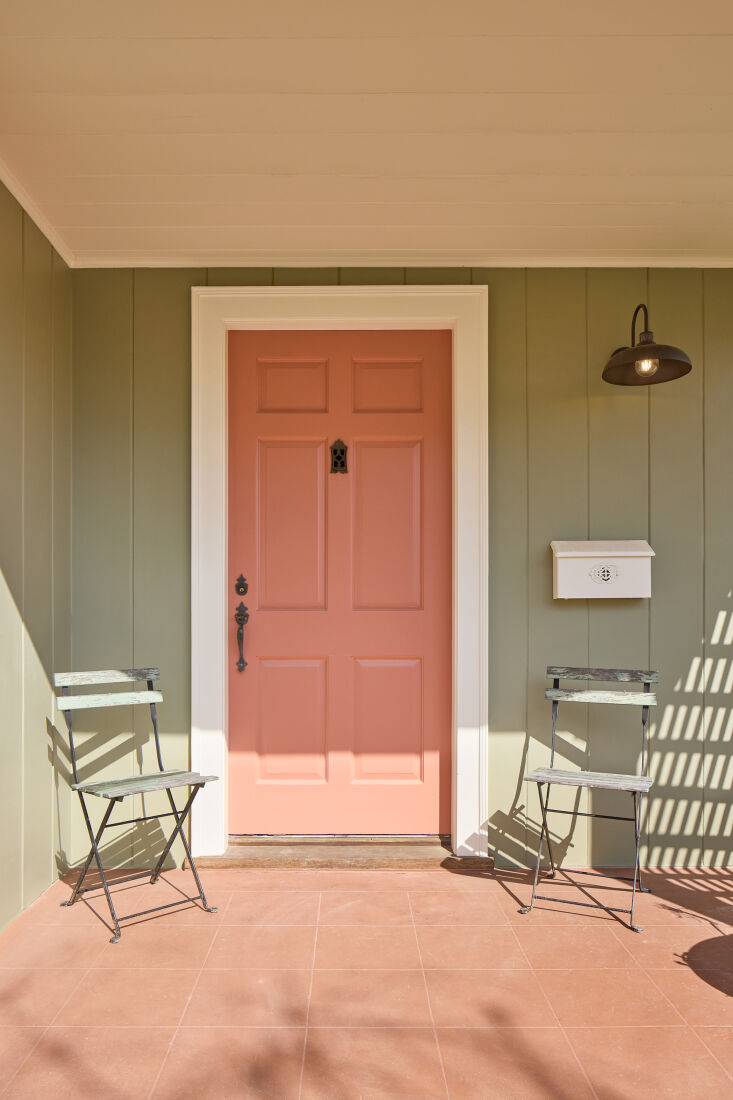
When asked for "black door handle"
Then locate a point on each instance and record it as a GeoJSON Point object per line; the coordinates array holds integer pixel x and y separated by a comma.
{"type": "Point", "coordinates": [241, 616]}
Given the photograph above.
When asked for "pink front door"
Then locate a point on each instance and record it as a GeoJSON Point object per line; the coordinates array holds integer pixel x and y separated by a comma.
{"type": "Point", "coordinates": [341, 721]}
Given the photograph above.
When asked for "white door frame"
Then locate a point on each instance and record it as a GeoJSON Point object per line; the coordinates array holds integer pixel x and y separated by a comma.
{"type": "Point", "coordinates": [464, 310]}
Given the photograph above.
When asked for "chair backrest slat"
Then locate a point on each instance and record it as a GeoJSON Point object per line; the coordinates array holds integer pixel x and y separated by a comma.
{"type": "Point", "coordinates": [618, 675]}
{"type": "Point", "coordinates": [105, 676]}
{"type": "Point", "coordinates": [643, 699]}
{"type": "Point", "coordinates": [112, 699]}
{"type": "Point", "coordinates": [140, 696]}
{"type": "Point", "coordinates": [627, 698]}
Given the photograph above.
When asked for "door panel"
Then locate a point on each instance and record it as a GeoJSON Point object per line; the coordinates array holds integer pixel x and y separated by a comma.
{"type": "Point", "coordinates": [388, 726]}
{"type": "Point", "coordinates": [341, 721]}
{"type": "Point", "coordinates": [291, 513]}
{"type": "Point", "coordinates": [289, 751]}
{"type": "Point", "coordinates": [383, 385]}
{"type": "Point", "coordinates": [292, 385]}
{"type": "Point", "coordinates": [387, 538]}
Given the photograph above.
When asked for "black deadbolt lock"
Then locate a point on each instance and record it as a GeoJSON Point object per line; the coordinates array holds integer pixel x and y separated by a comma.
{"type": "Point", "coordinates": [240, 586]}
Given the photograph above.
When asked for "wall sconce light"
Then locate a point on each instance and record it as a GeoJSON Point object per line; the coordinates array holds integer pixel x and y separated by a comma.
{"type": "Point", "coordinates": [645, 363]}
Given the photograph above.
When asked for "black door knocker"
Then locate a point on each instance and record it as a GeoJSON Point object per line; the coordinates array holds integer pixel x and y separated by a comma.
{"type": "Point", "coordinates": [338, 457]}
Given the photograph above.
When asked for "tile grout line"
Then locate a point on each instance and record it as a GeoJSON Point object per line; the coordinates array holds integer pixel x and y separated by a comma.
{"type": "Point", "coordinates": [619, 940]}
{"type": "Point", "coordinates": [688, 1025]}
{"type": "Point", "coordinates": [51, 1022]}
{"type": "Point", "coordinates": [177, 1028]}
{"type": "Point", "coordinates": [310, 992]}
{"type": "Point", "coordinates": [361, 1027]}
{"type": "Point", "coordinates": [712, 1053]}
{"type": "Point", "coordinates": [666, 997]}
{"type": "Point", "coordinates": [554, 1013]}
{"type": "Point", "coordinates": [427, 995]}
{"type": "Point", "coordinates": [357, 970]}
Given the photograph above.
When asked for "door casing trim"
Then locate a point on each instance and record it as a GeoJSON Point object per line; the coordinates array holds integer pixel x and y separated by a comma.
{"type": "Point", "coordinates": [464, 310]}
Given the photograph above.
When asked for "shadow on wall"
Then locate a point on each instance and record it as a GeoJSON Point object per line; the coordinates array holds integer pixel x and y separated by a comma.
{"type": "Point", "coordinates": [514, 835]}
{"type": "Point", "coordinates": [691, 805]}
{"type": "Point", "coordinates": [688, 819]}
{"type": "Point", "coordinates": [107, 753]}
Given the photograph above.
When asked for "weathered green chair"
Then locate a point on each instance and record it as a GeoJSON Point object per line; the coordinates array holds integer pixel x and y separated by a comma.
{"type": "Point", "coordinates": [115, 790]}
{"type": "Point", "coordinates": [636, 785]}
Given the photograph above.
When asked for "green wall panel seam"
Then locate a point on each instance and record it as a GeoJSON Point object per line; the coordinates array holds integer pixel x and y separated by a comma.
{"type": "Point", "coordinates": [22, 559]}
{"type": "Point", "coordinates": [703, 605]}
{"type": "Point", "coordinates": [525, 283]}
{"type": "Point", "coordinates": [133, 281]}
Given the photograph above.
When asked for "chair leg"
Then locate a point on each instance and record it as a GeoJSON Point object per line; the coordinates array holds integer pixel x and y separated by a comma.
{"type": "Point", "coordinates": [637, 830]}
{"type": "Point", "coordinates": [189, 857]}
{"type": "Point", "coordinates": [95, 853]}
{"type": "Point", "coordinates": [543, 832]}
{"type": "Point", "coordinates": [180, 820]}
{"type": "Point", "coordinates": [637, 876]}
{"type": "Point", "coordinates": [90, 857]}
{"type": "Point", "coordinates": [545, 806]}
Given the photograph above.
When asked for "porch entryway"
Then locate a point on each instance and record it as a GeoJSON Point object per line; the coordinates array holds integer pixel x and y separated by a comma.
{"type": "Point", "coordinates": [385, 461]}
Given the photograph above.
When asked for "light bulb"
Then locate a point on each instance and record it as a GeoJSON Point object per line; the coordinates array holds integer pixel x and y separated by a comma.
{"type": "Point", "coordinates": [645, 368]}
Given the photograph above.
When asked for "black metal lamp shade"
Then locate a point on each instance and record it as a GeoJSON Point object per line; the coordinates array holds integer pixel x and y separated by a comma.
{"type": "Point", "coordinates": [645, 363]}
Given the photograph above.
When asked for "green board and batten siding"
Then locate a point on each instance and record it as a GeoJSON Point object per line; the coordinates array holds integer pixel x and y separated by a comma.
{"type": "Point", "coordinates": [35, 553]}
{"type": "Point", "coordinates": [570, 457]}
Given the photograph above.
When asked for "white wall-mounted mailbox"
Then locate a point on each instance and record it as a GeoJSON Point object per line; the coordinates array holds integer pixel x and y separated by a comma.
{"type": "Point", "coordinates": [601, 570]}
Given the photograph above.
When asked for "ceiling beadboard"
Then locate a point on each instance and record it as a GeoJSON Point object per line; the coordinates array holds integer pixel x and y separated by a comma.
{"type": "Point", "coordinates": [418, 133]}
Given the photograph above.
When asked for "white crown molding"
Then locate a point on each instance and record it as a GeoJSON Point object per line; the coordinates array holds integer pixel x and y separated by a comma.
{"type": "Point", "coordinates": [52, 235]}
{"type": "Point", "coordinates": [391, 259]}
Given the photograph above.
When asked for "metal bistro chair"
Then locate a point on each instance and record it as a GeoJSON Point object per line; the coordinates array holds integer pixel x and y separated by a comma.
{"type": "Point", "coordinates": [636, 785]}
{"type": "Point", "coordinates": [115, 790]}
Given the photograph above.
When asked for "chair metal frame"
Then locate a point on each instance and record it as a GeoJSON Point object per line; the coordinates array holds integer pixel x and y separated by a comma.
{"type": "Point", "coordinates": [636, 785]}
{"type": "Point", "coordinates": [116, 790]}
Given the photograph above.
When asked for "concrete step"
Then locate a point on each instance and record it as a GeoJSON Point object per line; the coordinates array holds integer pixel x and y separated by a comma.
{"type": "Point", "coordinates": [373, 852]}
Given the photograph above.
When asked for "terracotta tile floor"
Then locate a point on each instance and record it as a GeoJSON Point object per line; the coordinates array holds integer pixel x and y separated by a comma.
{"type": "Point", "coordinates": [372, 984]}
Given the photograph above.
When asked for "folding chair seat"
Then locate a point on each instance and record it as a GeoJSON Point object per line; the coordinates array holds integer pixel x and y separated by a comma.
{"type": "Point", "coordinates": [139, 784]}
{"type": "Point", "coordinates": [637, 785]}
{"type": "Point", "coordinates": [115, 790]}
{"type": "Point", "coordinates": [605, 781]}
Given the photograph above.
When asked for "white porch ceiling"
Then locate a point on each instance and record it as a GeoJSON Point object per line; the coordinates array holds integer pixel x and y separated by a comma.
{"type": "Point", "coordinates": [396, 132]}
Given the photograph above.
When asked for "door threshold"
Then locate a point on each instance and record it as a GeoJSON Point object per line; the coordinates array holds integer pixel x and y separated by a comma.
{"type": "Point", "coordinates": [341, 838]}
{"type": "Point", "coordinates": [393, 853]}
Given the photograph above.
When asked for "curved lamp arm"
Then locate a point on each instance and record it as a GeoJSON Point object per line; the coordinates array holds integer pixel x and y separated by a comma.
{"type": "Point", "coordinates": [633, 322]}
